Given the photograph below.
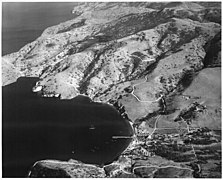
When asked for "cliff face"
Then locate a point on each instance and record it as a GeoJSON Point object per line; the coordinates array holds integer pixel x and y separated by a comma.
{"type": "Point", "coordinates": [129, 53]}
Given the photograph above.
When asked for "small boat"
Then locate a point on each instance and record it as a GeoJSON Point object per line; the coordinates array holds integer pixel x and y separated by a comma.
{"type": "Point", "coordinates": [57, 96]}
{"type": "Point", "coordinates": [92, 127]}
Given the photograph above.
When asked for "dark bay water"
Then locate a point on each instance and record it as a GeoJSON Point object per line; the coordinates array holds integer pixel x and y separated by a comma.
{"type": "Point", "coordinates": [36, 128]}
{"type": "Point", "coordinates": [23, 22]}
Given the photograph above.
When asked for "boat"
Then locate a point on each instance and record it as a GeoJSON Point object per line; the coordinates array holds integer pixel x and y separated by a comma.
{"type": "Point", "coordinates": [92, 127]}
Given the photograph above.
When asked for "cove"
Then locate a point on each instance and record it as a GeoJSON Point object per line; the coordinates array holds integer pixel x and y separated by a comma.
{"type": "Point", "coordinates": [36, 128]}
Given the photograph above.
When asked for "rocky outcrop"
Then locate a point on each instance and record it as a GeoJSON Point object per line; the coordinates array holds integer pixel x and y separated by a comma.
{"type": "Point", "coordinates": [61, 169]}
{"type": "Point", "coordinates": [129, 53]}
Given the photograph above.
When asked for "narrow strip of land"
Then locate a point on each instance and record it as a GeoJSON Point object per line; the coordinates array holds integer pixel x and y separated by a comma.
{"type": "Point", "coordinates": [122, 137]}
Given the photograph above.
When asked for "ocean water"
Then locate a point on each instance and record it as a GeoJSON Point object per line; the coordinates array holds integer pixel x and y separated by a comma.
{"type": "Point", "coordinates": [36, 128]}
{"type": "Point", "coordinates": [23, 22]}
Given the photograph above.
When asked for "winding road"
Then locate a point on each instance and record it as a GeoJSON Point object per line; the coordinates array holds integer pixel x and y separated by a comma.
{"type": "Point", "coordinates": [159, 167]}
{"type": "Point", "coordinates": [136, 96]}
{"type": "Point", "coordinates": [150, 136]}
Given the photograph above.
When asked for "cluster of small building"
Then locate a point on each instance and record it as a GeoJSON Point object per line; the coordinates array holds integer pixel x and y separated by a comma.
{"type": "Point", "coordinates": [137, 150]}
{"type": "Point", "coordinates": [39, 90]}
